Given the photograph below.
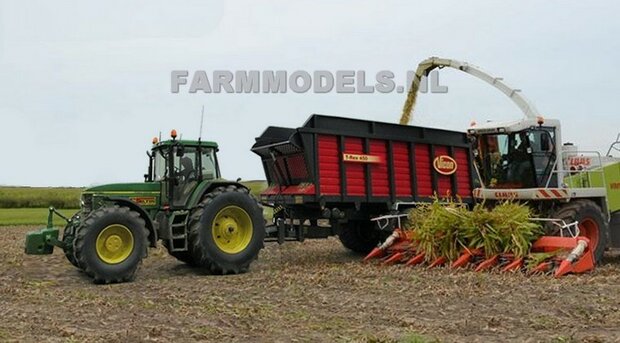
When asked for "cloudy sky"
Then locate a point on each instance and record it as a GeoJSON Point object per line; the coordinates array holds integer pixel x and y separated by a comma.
{"type": "Point", "coordinates": [86, 85]}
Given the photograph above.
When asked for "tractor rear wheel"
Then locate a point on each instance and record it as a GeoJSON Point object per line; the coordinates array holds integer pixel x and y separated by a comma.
{"type": "Point", "coordinates": [227, 231]}
{"type": "Point", "coordinates": [592, 223]}
{"type": "Point", "coordinates": [110, 244]}
{"type": "Point", "coordinates": [359, 236]}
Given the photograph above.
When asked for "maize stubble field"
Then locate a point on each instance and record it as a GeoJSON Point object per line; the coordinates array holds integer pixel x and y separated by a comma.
{"type": "Point", "coordinates": [311, 291]}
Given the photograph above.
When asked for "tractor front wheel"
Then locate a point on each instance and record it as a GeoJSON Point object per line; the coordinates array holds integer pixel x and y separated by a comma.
{"type": "Point", "coordinates": [359, 236]}
{"type": "Point", "coordinates": [592, 223]}
{"type": "Point", "coordinates": [110, 244]}
{"type": "Point", "coordinates": [68, 236]}
{"type": "Point", "coordinates": [227, 231]}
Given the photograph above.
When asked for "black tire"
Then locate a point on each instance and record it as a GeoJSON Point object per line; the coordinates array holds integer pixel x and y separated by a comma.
{"type": "Point", "coordinates": [204, 249]}
{"type": "Point", "coordinates": [68, 236]}
{"type": "Point", "coordinates": [183, 256]}
{"type": "Point", "coordinates": [592, 223]}
{"type": "Point", "coordinates": [85, 244]}
{"type": "Point", "coordinates": [359, 236]}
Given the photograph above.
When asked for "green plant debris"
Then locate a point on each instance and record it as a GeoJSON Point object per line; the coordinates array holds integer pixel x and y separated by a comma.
{"type": "Point", "coordinates": [446, 228]}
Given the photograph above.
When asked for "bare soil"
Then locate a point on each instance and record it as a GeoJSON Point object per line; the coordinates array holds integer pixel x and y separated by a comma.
{"type": "Point", "coordinates": [312, 291]}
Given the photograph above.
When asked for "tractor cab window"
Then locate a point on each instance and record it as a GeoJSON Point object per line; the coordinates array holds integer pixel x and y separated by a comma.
{"type": "Point", "coordinates": [185, 167]}
{"type": "Point", "coordinates": [504, 160]}
{"type": "Point", "coordinates": [160, 166]}
{"type": "Point", "coordinates": [208, 164]}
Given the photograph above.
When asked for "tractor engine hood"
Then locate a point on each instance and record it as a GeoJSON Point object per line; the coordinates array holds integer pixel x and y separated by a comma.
{"type": "Point", "coordinates": [132, 187]}
{"type": "Point", "coordinates": [144, 194]}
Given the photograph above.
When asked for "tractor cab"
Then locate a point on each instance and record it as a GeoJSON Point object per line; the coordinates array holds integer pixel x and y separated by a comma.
{"type": "Point", "coordinates": [180, 165]}
{"type": "Point", "coordinates": [516, 155]}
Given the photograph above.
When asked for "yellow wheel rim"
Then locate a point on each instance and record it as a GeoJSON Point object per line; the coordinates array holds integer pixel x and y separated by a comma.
{"type": "Point", "coordinates": [114, 244]}
{"type": "Point", "coordinates": [232, 229]}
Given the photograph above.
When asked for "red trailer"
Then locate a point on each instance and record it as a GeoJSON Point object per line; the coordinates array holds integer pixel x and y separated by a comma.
{"type": "Point", "coordinates": [349, 171]}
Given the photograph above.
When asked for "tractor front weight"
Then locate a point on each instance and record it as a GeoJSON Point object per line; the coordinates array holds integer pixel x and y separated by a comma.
{"type": "Point", "coordinates": [42, 242]}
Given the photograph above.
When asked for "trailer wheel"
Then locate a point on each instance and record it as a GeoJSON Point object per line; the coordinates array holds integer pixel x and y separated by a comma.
{"type": "Point", "coordinates": [227, 231]}
{"type": "Point", "coordinates": [359, 236]}
{"type": "Point", "coordinates": [592, 223]}
{"type": "Point", "coordinates": [111, 243]}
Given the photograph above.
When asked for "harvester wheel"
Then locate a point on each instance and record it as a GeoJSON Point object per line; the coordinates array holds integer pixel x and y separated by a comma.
{"type": "Point", "coordinates": [183, 256]}
{"type": "Point", "coordinates": [227, 230]}
{"type": "Point", "coordinates": [592, 223]}
{"type": "Point", "coordinates": [110, 244]}
{"type": "Point", "coordinates": [359, 236]}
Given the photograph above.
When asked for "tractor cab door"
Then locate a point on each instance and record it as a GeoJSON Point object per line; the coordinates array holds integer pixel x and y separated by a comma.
{"type": "Point", "coordinates": [174, 168]}
{"type": "Point", "coordinates": [185, 174]}
{"type": "Point", "coordinates": [195, 164]}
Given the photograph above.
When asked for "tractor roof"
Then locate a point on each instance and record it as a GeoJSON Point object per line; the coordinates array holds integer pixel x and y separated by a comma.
{"type": "Point", "coordinates": [188, 143]}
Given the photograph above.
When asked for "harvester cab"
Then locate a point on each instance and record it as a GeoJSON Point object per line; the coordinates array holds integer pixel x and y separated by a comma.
{"type": "Point", "coordinates": [201, 219]}
{"type": "Point", "coordinates": [518, 155]}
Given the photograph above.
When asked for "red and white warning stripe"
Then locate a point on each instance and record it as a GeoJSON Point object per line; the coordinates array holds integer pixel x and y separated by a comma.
{"type": "Point", "coordinates": [551, 193]}
{"type": "Point", "coordinates": [477, 193]}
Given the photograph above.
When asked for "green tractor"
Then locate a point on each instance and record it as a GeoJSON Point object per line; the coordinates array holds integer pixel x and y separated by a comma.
{"type": "Point", "coordinates": [201, 219]}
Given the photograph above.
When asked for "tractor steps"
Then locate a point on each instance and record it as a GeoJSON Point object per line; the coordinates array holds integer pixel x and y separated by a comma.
{"type": "Point", "coordinates": [177, 231]}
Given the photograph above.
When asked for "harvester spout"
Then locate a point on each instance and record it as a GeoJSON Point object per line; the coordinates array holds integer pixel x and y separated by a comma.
{"type": "Point", "coordinates": [431, 63]}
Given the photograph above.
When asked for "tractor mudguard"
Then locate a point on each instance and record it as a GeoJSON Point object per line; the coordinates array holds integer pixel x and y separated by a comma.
{"type": "Point", "coordinates": [206, 187]}
{"type": "Point", "coordinates": [147, 219]}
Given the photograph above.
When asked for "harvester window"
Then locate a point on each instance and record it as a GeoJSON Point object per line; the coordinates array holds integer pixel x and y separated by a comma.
{"type": "Point", "coordinates": [505, 161]}
{"type": "Point", "coordinates": [543, 153]}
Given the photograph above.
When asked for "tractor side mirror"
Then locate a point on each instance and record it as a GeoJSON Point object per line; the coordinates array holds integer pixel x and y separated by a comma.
{"type": "Point", "coordinates": [180, 151]}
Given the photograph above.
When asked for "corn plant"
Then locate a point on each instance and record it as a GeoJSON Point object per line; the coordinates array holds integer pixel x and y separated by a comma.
{"type": "Point", "coordinates": [437, 228]}
{"type": "Point", "coordinates": [446, 228]}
